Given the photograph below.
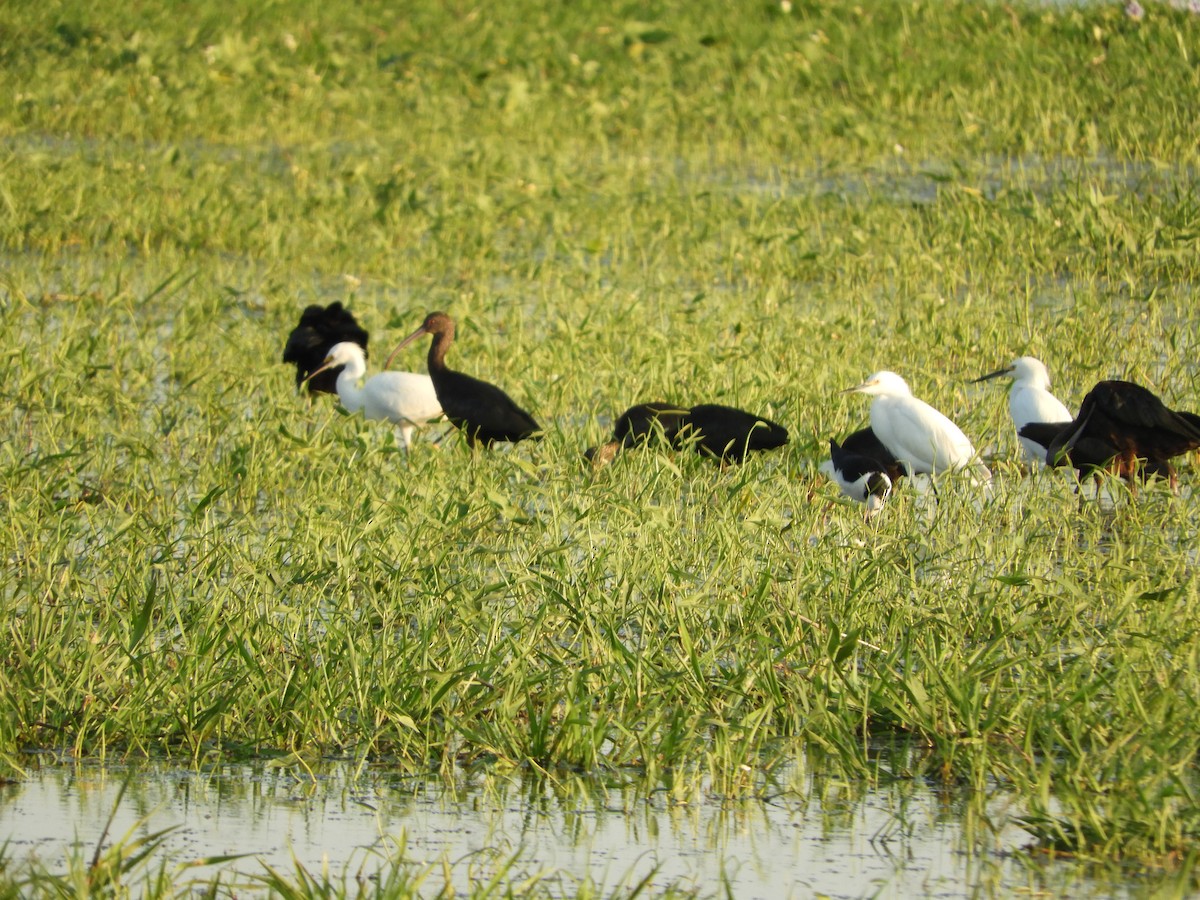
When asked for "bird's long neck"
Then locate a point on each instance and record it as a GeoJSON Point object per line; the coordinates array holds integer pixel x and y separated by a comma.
{"type": "Point", "coordinates": [437, 350]}
{"type": "Point", "coordinates": [1033, 382]}
{"type": "Point", "coordinates": [348, 390]}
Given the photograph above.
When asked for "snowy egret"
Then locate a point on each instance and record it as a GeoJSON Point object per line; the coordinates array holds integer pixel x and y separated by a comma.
{"type": "Point", "coordinates": [861, 478]}
{"type": "Point", "coordinates": [1029, 401]}
{"type": "Point", "coordinates": [921, 438]}
{"type": "Point", "coordinates": [479, 409]}
{"type": "Point", "coordinates": [309, 343]}
{"type": "Point", "coordinates": [406, 399]}
{"type": "Point", "coordinates": [719, 432]}
{"type": "Point", "coordinates": [1124, 426]}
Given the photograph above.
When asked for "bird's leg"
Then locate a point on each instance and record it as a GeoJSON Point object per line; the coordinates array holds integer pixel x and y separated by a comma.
{"type": "Point", "coordinates": [1128, 468]}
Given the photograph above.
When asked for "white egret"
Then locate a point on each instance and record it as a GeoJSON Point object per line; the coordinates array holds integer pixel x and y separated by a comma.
{"type": "Point", "coordinates": [406, 399]}
{"type": "Point", "coordinates": [921, 438]}
{"type": "Point", "coordinates": [1030, 401]}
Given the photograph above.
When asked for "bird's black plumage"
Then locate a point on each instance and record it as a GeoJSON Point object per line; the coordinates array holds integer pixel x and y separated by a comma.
{"type": "Point", "coordinates": [1042, 433]}
{"type": "Point", "coordinates": [861, 478]}
{"type": "Point", "coordinates": [728, 434]}
{"type": "Point", "coordinates": [1125, 427]}
{"type": "Point", "coordinates": [866, 443]}
{"type": "Point", "coordinates": [482, 411]}
{"type": "Point", "coordinates": [720, 432]}
{"type": "Point", "coordinates": [319, 329]}
{"type": "Point", "coordinates": [646, 421]}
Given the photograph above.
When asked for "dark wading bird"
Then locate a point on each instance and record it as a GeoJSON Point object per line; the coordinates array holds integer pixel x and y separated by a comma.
{"type": "Point", "coordinates": [861, 478]}
{"type": "Point", "coordinates": [865, 442]}
{"type": "Point", "coordinates": [639, 425]}
{"type": "Point", "coordinates": [310, 342]}
{"type": "Point", "coordinates": [1123, 427]}
{"type": "Point", "coordinates": [483, 412]}
{"type": "Point", "coordinates": [722, 433]}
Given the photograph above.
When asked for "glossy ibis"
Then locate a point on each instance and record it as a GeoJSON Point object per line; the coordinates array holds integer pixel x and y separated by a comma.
{"type": "Point", "coordinates": [722, 433]}
{"type": "Point", "coordinates": [482, 411]}
{"type": "Point", "coordinates": [310, 342]}
{"type": "Point", "coordinates": [641, 424]}
{"type": "Point", "coordinates": [1126, 428]}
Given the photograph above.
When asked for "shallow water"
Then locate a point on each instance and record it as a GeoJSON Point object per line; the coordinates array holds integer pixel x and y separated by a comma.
{"type": "Point", "coordinates": [898, 841]}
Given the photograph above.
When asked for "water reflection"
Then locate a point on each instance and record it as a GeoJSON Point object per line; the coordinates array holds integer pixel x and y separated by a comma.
{"type": "Point", "coordinates": [835, 839]}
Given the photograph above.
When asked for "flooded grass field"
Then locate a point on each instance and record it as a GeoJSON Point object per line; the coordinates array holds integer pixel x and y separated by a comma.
{"type": "Point", "coordinates": [289, 658]}
{"type": "Point", "coordinates": [568, 834]}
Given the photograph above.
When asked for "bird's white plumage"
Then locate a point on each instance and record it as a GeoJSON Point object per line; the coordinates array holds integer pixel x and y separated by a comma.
{"type": "Point", "coordinates": [861, 479]}
{"type": "Point", "coordinates": [869, 488]}
{"type": "Point", "coordinates": [406, 399]}
{"type": "Point", "coordinates": [921, 438]}
{"type": "Point", "coordinates": [1030, 400]}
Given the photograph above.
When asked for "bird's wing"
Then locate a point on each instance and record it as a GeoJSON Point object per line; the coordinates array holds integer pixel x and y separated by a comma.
{"type": "Point", "coordinates": [917, 433]}
{"type": "Point", "coordinates": [405, 395]}
{"type": "Point", "coordinates": [1066, 439]}
{"type": "Point", "coordinates": [484, 406]}
{"type": "Point", "coordinates": [1035, 405]}
{"type": "Point", "coordinates": [1190, 424]}
{"type": "Point", "coordinates": [301, 343]}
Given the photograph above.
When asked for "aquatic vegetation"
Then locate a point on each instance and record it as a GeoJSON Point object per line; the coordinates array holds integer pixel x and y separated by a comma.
{"type": "Point", "coordinates": [749, 210]}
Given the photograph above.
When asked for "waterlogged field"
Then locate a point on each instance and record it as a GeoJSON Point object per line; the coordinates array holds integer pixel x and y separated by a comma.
{"type": "Point", "coordinates": [202, 567]}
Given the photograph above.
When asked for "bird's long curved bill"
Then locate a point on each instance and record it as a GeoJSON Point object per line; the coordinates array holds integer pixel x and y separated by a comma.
{"type": "Point", "coordinates": [325, 368]}
{"type": "Point", "coordinates": [404, 343]}
{"type": "Point", "coordinates": [990, 375]}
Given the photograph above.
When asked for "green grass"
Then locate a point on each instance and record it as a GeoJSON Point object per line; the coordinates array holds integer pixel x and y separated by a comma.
{"type": "Point", "coordinates": [679, 204]}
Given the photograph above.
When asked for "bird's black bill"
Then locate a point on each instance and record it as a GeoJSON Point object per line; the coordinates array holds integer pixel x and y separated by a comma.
{"type": "Point", "coordinates": [990, 375]}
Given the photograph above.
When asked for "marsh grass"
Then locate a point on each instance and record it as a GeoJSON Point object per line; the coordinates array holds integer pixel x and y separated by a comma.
{"type": "Point", "coordinates": [754, 210]}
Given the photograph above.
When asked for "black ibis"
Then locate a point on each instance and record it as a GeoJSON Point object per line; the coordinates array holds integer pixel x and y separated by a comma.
{"type": "Point", "coordinates": [640, 424]}
{"type": "Point", "coordinates": [722, 433]}
{"type": "Point", "coordinates": [482, 411]}
{"type": "Point", "coordinates": [1124, 427]}
{"type": "Point", "coordinates": [728, 434]}
{"type": "Point", "coordinates": [310, 342]}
